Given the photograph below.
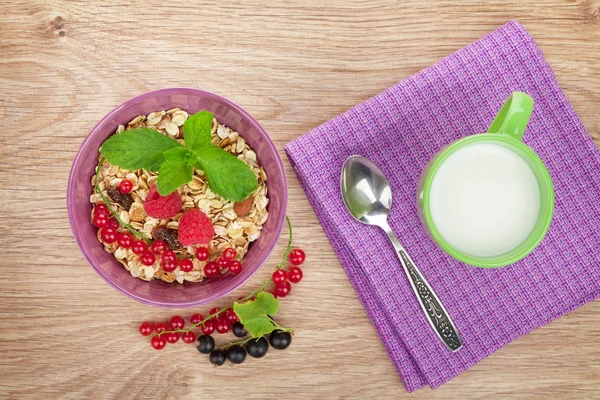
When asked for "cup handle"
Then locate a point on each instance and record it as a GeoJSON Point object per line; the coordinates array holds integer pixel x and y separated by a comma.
{"type": "Point", "coordinates": [514, 115]}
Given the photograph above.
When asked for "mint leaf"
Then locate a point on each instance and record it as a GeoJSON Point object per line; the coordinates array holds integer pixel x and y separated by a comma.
{"type": "Point", "coordinates": [173, 173]}
{"type": "Point", "coordinates": [254, 314]}
{"type": "Point", "coordinates": [137, 148]}
{"type": "Point", "coordinates": [227, 175]}
{"type": "Point", "coordinates": [196, 131]}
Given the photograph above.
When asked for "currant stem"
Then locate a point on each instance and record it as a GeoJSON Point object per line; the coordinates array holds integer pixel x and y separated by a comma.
{"type": "Point", "coordinates": [289, 245]}
{"type": "Point", "coordinates": [113, 212]}
{"type": "Point", "coordinates": [241, 342]}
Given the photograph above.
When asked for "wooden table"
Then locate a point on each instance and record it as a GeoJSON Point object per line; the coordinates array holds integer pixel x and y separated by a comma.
{"type": "Point", "coordinates": [64, 64]}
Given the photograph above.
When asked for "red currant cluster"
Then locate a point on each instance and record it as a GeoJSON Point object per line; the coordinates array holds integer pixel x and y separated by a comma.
{"type": "Point", "coordinates": [225, 262]}
{"type": "Point", "coordinates": [109, 234]}
{"type": "Point", "coordinates": [220, 320]}
{"type": "Point", "coordinates": [223, 320]}
{"type": "Point", "coordinates": [282, 278]}
{"type": "Point", "coordinates": [108, 225]}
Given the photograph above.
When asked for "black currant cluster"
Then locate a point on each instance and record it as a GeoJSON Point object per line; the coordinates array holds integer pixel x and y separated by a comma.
{"type": "Point", "coordinates": [236, 354]}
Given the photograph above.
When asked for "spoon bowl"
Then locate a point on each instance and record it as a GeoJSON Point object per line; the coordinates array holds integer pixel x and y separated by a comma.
{"type": "Point", "coordinates": [366, 191]}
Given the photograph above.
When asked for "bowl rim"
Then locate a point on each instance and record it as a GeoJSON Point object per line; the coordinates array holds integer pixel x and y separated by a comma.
{"type": "Point", "coordinates": [165, 92]}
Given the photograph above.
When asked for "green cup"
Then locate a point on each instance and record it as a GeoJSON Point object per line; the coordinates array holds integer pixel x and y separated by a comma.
{"type": "Point", "coordinates": [506, 130]}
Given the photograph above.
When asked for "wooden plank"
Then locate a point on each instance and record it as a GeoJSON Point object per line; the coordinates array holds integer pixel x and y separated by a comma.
{"type": "Point", "coordinates": [292, 65]}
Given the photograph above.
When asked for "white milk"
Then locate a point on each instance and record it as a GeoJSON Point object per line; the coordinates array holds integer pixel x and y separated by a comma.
{"type": "Point", "coordinates": [484, 199]}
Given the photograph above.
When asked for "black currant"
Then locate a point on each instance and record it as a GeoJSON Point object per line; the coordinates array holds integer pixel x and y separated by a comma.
{"type": "Point", "coordinates": [238, 330]}
{"type": "Point", "coordinates": [236, 354]}
{"type": "Point", "coordinates": [280, 340]}
{"type": "Point", "coordinates": [206, 344]}
{"type": "Point", "coordinates": [217, 357]}
{"type": "Point", "coordinates": [257, 348]}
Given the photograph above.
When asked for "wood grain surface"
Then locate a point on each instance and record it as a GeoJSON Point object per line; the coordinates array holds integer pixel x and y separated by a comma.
{"type": "Point", "coordinates": [292, 65]}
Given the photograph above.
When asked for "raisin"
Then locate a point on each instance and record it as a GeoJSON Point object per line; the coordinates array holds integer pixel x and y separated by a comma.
{"type": "Point", "coordinates": [124, 200]}
{"type": "Point", "coordinates": [168, 235]}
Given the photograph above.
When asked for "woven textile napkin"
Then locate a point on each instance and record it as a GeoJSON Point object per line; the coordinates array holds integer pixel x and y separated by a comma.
{"type": "Point", "coordinates": [400, 130]}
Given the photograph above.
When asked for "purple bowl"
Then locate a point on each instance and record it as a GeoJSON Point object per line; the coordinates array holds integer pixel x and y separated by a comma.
{"type": "Point", "coordinates": [159, 293]}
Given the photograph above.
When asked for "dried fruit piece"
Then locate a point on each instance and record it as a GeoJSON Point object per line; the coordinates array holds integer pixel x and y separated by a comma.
{"type": "Point", "coordinates": [123, 199]}
{"type": "Point", "coordinates": [168, 235]}
{"type": "Point", "coordinates": [242, 208]}
{"type": "Point", "coordinates": [195, 228]}
{"type": "Point", "coordinates": [162, 207]}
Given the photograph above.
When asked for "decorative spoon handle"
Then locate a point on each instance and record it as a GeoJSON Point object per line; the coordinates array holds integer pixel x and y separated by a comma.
{"type": "Point", "coordinates": [434, 310]}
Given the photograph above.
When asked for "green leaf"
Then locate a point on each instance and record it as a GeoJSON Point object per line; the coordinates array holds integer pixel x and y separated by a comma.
{"type": "Point", "coordinates": [254, 314]}
{"type": "Point", "coordinates": [227, 175]}
{"type": "Point", "coordinates": [138, 148]}
{"type": "Point", "coordinates": [172, 174]}
{"type": "Point", "coordinates": [196, 131]}
{"type": "Point", "coordinates": [267, 303]}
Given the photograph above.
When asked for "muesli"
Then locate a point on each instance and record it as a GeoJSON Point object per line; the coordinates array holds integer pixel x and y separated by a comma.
{"type": "Point", "coordinates": [178, 197]}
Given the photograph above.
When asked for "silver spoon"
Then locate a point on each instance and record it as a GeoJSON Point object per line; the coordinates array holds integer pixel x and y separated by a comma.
{"type": "Point", "coordinates": [368, 197]}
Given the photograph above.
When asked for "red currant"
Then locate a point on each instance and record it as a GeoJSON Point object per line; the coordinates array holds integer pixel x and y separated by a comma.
{"type": "Point", "coordinates": [196, 319]}
{"type": "Point", "coordinates": [101, 208]}
{"type": "Point", "coordinates": [172, 337]}
{"type": "Point", "coordinates": [125, 186]}
{"type": "Point", "coordinates": [282, 289]}
{"type": "Point", "coordinates": [231, 316]}
{"type": "Point", "coordinates": [168, 265]}
{"type": "Point", "coordinates": [177, 322]}
{"type": "Point", "coordinates": [125, 240]}
{"type": "Point", "coordinates": [147, 258]}
{"type": "Point", "coordinates": [214, 311]}
{"type": "Point", "coordinates": [158, 246]}
{"type": "Point", "coordinates": [208, 327]}
{"type": "Point", "coordinates": [229, 253]}
{"type": "Point", "coordinates": [100, 220]}
{"type": "Point", "coordinates": [297, 257]}
{"type": "Point", "coordinates": [222, 263]}
{"type": "Point", "coordinates": [235, 267]}
{"type": "Point", "coordinates": [158, 342]}
{"type": "Point", "coordinates": [211, 270]}
{"type": "Point", "coordinates": [186, 265]}
{"type": "Point", "coordinates": [169, 255]}
{"type": "Point", "coordinates": [109, 235]}
{"type": "Point", "coordinates": [202, 253]}
{"type": "Point", "coordinates": [146, 328]}
{"type": "Point", "coordinates": [160, 327]}
{"type": "Point", "coordinates": [188, 337]}
{"type": "Point", "coordinates": [295, 274]}
{"type": "Point", "coordinates": [112, 223]}
{"type": "Point", "coordinates": [279, 275]}
{"type": "Point", "coordinates": [138, 247]}
{"type": "Point", "coordinates": [223, 325]}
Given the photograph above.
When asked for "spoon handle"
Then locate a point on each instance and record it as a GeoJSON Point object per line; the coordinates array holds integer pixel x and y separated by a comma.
{"type": "Point", "coordinates": [434, 310]}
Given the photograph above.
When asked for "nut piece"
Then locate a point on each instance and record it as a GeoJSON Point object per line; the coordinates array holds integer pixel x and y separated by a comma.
{"type": "Point", "coordinates": [243, 208]}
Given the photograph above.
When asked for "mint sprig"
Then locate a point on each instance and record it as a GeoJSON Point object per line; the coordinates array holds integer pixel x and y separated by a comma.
{"type": "Point", "coordinates": [145, 148]}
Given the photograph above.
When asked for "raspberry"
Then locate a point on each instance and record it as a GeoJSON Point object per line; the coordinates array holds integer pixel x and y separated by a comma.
{"type": "Point", "coordinates": [162, 207]}
{"type": "Point", "coordinates": [195, 228]}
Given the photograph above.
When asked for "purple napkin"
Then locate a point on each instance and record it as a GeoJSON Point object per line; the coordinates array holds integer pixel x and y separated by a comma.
{"type": "Point", "coordinates": [400, 130]}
